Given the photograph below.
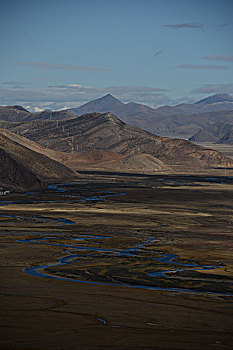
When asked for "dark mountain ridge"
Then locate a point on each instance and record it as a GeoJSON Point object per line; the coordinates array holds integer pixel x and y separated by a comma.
{"type": "Point", "coordinates": [216, 133]}
{"type": "Point", "coordinates": [216, 99]}
{"type": "Point", "coordinates": [228, 137]}
{"type": "Point", "coordinates": [108, 103]}
{"type": "Point", "coordinates": [13, 113]}
{"type": "Point", "coordinates": [182, 120]}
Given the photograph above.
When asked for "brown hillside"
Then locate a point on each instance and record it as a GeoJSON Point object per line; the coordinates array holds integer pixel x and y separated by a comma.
{"type": "Point", "coordinates": [107, 133]}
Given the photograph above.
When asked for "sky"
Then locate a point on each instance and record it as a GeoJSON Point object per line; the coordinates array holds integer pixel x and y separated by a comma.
{"type": "Point", "coordinates": [62, 53]}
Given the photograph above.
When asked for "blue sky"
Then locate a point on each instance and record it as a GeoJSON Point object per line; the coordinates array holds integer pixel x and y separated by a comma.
{"type": "Point", "coordinates": [57, 53]}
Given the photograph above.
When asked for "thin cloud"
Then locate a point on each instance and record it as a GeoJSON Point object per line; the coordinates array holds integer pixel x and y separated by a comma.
{"type": "Point", "coordinates": [184, 25]}
{"type": "Point", "coordinates": [75, 85]}
{"type": "Point", "coordinates": [225, 58]}
{"type": "Point", "coordinates": [47, 79]}
{"type": "Point", "coordinates": [57, 66]}
{"type": "Point", "coordinates": [214, 89]}
{"type": "Point", "coordinates": [134, 89]}
{"type": "Point", "coordinates": [229, 24]}
{"type": "Point", "coordinates": [157, 53]}
{"type": "Point", "coordinates": [111, 89]}
{"type": "Point", "coordinates": [17, 87]}
{"type": "Point", "coordinates": [73, 95]}
{"type": "Point", "coordinates": [12, 83]}
{"type": "Point", "coordinates": [185, 99]}
{"type": "Point", "coordinates": [199, 66]}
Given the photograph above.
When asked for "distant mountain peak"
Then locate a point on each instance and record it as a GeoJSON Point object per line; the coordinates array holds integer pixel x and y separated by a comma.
{"type": "Point", "coordinates": [216, 99]}
{"type": "Point", "coordinates": [109, 97]}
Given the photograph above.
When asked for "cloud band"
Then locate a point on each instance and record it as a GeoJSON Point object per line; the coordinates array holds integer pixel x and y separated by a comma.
{"type": "Point", "coordinates": [59, 66]}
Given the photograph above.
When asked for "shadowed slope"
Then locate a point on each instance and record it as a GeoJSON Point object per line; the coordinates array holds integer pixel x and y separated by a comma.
{"type": "Point", "coordinates": [24, 166]}
{"type": "Point", "coordinates": [15, 175]}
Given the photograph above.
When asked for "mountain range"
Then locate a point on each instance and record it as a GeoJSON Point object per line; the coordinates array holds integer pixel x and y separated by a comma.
{"type": "Point", "coordinates": [38, 147]}
{"type": "Point", "coordinates": [182, 120]}
{"type": "Point", "coordinates": [123, 143]}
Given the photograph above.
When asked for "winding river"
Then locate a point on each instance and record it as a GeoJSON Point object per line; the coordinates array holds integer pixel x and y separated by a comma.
{"type": "Point", "coordinates": [74, 251]}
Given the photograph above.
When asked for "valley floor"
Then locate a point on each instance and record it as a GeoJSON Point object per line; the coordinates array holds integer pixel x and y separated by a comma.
{"type": "Point", "coordinates": [119, 262]}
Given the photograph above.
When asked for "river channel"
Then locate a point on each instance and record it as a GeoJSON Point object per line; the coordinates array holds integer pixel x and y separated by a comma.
{"type": "Point", "coordinates": [80, 247]}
